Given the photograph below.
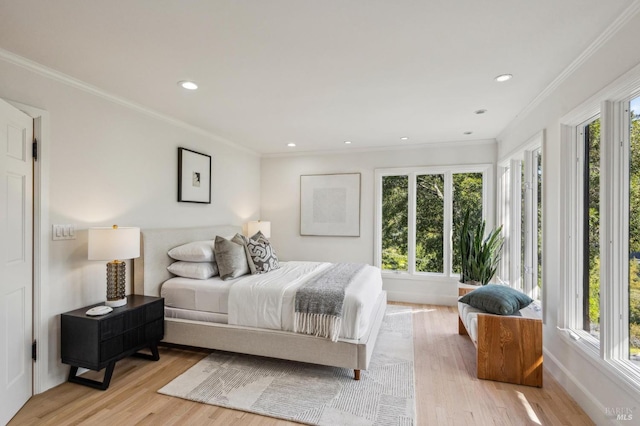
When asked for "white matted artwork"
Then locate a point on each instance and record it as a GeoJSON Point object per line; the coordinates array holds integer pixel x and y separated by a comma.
{"type": "Point", "coordinates": [194, 177]}
{"type": "Point", "coordinates": [330, 205]}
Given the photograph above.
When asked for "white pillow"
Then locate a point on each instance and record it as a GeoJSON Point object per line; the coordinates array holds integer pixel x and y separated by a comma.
{"type": "Point", "coordinates": [197, 270]}
{"type": "Point", "coordinates": [197, 251]}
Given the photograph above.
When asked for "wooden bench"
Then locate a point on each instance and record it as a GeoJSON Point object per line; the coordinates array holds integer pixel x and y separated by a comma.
{"type": "Point", "coordinates": [509, 348]}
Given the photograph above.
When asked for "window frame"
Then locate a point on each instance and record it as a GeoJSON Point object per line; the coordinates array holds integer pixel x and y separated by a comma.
{"type": "Point", "coordinates": [510, 214]}
{"type": "Point", "coordinates": [612, 354]}
{"type": "Point", "coordinates": [580, 286]}
{"type": "Point", "coordinates": [413, 172]}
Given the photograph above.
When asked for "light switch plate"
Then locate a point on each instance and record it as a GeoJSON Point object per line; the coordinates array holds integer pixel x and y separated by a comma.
{"type": "Point", "coordinates": [64, 232]}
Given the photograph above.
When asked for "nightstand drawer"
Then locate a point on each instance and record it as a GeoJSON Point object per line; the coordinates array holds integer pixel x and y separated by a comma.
{"type": "Point", "coordinates": [134, 318]}
{"type": "Point", "coordinates": [155, 330]}
{"type": "Point", "coordinates": [111, 327]}
{"type": "Point", "coordinates": [154, 311]}
{"type": "Point", "coordinates": [134, 338]}
{"type": "Point", "coordinates": [111, 348]}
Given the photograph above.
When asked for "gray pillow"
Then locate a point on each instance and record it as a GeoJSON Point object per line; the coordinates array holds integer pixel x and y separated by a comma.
{"type": "Point", "coordinates": [231, 257]}
{"type": "Point", "coordinates": [497, 299]}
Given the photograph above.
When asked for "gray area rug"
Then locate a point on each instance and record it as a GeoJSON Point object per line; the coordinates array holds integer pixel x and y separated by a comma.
{"type": "Point", "coordinates": [313, 394]}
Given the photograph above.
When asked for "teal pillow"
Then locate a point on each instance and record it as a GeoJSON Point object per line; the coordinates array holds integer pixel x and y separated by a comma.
{"type": "Point", "coordinates": [497, 299]}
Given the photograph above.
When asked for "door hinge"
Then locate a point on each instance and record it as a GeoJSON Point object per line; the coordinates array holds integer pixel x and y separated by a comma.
{"type": "Point", "coordinates": [34, 350]}
{"type": "Point", "coordinates": [35, 149]}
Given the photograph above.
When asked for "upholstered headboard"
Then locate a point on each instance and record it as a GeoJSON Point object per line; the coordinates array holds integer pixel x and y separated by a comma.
{"type": "Point", "coordinates": [150, 269]}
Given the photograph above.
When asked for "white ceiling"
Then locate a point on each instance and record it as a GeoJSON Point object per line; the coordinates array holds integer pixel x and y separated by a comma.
{"type": "Point", "coordinates": [315, 72]}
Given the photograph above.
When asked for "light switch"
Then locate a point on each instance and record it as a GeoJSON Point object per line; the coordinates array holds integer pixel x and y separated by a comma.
{"type": "Point", "coordinates": [64, 232]}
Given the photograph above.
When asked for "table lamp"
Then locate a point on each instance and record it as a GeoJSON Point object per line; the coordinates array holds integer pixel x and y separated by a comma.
{"type": "Point", "coordinates": [259, 225]}
{"type": "Point", "coordinates": [114, 244]}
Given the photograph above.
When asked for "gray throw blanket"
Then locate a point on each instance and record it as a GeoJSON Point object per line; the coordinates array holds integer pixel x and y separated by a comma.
{"type": "Point", "coordinates": [319, 301]}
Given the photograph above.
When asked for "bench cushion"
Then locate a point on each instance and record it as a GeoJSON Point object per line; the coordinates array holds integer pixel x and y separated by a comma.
{"type": "Point", "coordinates": [469, 317]}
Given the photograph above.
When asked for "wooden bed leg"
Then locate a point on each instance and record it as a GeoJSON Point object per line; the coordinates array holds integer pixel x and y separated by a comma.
{"type": "Point", "coordinates": [356, 374]}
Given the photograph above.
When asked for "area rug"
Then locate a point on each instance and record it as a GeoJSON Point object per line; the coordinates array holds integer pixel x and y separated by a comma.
{"type": "Point", "coordinates": [313, 394]}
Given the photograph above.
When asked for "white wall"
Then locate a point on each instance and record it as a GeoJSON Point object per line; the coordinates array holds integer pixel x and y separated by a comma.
{"type": "Point", "coordinates": [594, 389]}
{"type": "Point", "coordinates": [281, 205]}
{"type": "Point", "coordinates": [110, 164]}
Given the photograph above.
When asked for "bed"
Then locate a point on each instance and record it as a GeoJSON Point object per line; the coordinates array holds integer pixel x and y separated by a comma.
{"type": "Point", "coordinates": [210, 330]}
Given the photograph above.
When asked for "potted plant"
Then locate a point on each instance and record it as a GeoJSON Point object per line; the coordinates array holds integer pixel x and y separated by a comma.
{"type": "Point", "coordinates": [480, 255]}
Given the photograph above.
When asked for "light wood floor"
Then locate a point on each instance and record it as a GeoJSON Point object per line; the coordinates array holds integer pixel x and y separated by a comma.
{"type": "Point", "coordinates": [447, 391]}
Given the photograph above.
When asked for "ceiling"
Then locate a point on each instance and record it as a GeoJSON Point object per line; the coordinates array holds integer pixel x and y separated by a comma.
{"type": "Point", "coordinates": [315, 73]}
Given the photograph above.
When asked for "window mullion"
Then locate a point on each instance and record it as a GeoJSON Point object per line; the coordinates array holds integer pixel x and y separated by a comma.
{"type": "Point", "coordinates": [535, 158]}
{"type": "Point", "coordinates": [504, 209]}
{"type": "Point", "coordinates": [411, 249]}
{"type": "Point", "coordinates": [448, 224]}
{"type": "Point", "coordinates": [622, 134]}
{"type": "Point", "coordinates": [610, 240]}
{"type": "Point", "coordinates": [578, 230]}
{"type": "Point", "coordinates": [528, 223]}
{"type": "Point", "coordinates": [515, 226]}
{"type": "Point", "coordinates": [572, 186]}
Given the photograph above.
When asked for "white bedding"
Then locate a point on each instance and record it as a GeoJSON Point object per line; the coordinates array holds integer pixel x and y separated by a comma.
{"type": "Point", "coordinates": [209, 295]}
{"type": "Point", "coordinates": [268, 300]}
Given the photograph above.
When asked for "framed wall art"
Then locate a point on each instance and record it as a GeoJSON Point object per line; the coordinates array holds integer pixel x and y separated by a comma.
{"type": "Point", "coordinates": [194, 177]}
{"type": "Point", "coordinates": [330, 205]}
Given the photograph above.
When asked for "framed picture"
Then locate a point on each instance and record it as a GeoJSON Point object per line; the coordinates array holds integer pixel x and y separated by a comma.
{"type": "Point", "coordinates": [330, 205]}
{"type": "Point", "coordinates": [194, 177]}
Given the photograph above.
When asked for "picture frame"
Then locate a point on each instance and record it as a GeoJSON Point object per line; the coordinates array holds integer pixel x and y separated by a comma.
{"type": "Point", "coordinates": [194, 177]}
{"type": "Point", "coordinates": [330, 205]}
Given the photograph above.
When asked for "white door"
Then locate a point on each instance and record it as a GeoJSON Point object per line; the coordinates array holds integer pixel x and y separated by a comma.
{"type": "Point", "coordinates": [16, 217]}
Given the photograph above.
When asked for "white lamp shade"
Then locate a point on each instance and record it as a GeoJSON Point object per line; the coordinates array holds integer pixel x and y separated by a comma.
{"type": "Point", "coordinates": [114, 243]}
{"type": "Point", "coordinates": [259, 225]}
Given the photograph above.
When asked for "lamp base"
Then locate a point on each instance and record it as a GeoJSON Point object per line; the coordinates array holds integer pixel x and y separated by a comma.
{"type": "Point", "coordinates": [116, 294]}
{"type": "Point", "coordinates": [116, 303]}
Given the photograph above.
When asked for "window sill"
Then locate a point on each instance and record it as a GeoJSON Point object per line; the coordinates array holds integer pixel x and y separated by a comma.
{"type": "Point", "coordinates": [418, 277]}
{"type": "Point", "coordinates": [622, 374]}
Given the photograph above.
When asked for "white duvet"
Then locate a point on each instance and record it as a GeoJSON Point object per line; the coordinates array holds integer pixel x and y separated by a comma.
{"type": "Point", "coordinates": [268, 300]}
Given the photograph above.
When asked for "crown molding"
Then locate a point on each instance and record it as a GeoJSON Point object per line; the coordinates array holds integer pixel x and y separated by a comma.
{"type": "Point", "coordinates": [625, 17]}
{"type": "Point", "coordinates": [404, 147]}
{"type": "Point", "coordinates": [60, 77]}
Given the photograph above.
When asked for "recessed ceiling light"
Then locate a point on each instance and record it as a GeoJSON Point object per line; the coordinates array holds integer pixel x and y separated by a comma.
{"type": "Point", "coordinates": [291, 144]}
{"type": "Point", "coordinates": [347, 142]}
{"type": "Point", "coordinates": [404, 138]}
{"type": "Point", "coordinates": [189, 85]}
{"type": "Point", "coordinates": [480, 111]}
{"type": "Point", "coordinates": [503, 77]}
{"type": "Point", "coordinates": [467, 133]}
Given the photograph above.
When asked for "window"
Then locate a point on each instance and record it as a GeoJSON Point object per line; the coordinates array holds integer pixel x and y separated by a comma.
{"type": "Point", "coordinates": [520, 213]}
{"type": "Point", "coordinates": [601, 239]}
{"type": "Point", "coordinates": [589, 219]}
{"type": "Point", "coordinates": [633, 112]}
{"type": "Point", "coordinates": [430, 223]}
{"type": "Point", "coordinates": [531, 219]}
{"type": "Point", "coordinates": [467, 194]}
{"type": "Point", "coordinates": [538, 227]}
{"type": "Point", "coordinates": [419, 212]}
{"type": "Point", "coordinates": [395, 223]}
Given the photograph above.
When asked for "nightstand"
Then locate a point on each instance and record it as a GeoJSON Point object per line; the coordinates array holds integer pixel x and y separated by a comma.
{"type": "Point", "coordinates": [97, 342]}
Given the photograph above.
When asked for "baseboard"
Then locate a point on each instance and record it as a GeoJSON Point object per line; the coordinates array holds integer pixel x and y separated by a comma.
{"type": "Point", "coordinates": [587, 401]}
